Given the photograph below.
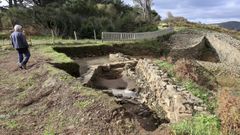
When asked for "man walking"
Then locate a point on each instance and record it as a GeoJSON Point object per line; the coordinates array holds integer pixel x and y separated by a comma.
{"type": "Point", "coordinates": [19, 42]}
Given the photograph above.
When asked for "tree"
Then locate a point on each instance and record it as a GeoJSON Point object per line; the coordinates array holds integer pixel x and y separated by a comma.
{"type": "Point", "coordinates": [145, 6]}
{"type": "Point", "coordinates": [170, 15]}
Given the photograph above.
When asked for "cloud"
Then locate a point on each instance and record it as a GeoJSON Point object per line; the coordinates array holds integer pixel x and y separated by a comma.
{"type": "Point", "coordinates": [206, 11]}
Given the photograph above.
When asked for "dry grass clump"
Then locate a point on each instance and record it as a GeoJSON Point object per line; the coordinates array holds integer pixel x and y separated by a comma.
{"type": "Point", "coordinates": [190, 70]}
{"type": "Point", "coordinates": [229, 111]}
{"type": "Point", "coordinates": [186, 70]}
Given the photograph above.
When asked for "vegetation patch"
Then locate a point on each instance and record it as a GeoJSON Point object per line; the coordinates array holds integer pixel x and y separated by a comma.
{"type": "Point", "coordinates": [200, 124]}
{"type": "Point", "coordinates": [12, 124]}
{"type": "Point", "coordinates": [188, 81]}
{"type": "Point", "coordinates": [82, 104]}
{"type": "Point", "coordinates": [201, 93]}
{"type": "Point", "coordinates": [229, 111]}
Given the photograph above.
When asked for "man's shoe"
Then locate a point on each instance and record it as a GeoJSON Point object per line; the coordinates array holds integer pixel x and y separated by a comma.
{"type": "Point", "coordinates": [20, 65]}
{"type": "Point", "coordinates": [24, 66]}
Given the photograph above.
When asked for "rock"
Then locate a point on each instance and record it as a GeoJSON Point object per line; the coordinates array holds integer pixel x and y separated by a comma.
{"type": "Point", "coordinates": [71, 127]}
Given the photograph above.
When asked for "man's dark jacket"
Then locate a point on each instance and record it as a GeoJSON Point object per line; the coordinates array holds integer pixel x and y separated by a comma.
{"type": "Point", "coordinates": [18, 40]}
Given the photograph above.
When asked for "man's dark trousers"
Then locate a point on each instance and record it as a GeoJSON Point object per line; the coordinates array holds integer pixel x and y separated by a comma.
{"type": "Point", "coordinates": [26, 53]}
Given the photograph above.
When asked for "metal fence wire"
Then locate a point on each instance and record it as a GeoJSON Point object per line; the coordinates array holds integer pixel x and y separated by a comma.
{"type": "Point", "coordinates": [119, 36]}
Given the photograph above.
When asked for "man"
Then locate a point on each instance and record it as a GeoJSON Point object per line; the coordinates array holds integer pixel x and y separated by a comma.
{"type": "Point", "coordinates": [19, 42]}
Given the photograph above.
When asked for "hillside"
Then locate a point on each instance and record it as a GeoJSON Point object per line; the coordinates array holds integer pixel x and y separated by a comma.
{"type": "Point", "coordinates": [232, 25]}
{"type": "Point", "coordinates": [143, 88]}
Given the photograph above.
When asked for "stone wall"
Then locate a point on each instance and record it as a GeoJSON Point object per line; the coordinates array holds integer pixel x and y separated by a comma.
{"type": "Point", "coordinates": [228, 51]}
{"type": "Point", "coordinates": [159, 92]}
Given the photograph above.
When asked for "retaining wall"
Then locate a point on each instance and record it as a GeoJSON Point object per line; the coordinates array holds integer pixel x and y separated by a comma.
{"type": "Point", "coordinates": [159, 92]}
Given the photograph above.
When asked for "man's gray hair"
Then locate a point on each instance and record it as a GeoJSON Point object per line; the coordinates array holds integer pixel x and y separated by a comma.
{"type": "Point", "coordinates": [17, 27]}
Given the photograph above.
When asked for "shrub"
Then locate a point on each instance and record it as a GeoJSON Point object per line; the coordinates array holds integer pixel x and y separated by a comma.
{"type": "Point", "coordinates": [185, 70]}
{"type": "Point", "coordinates": [198, 125]}
{"type": "Point", "coordinates": [229, 111]}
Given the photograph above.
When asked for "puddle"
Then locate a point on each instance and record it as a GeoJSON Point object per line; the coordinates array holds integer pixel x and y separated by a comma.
{"type": "Point", "coordinates": [85, 63]}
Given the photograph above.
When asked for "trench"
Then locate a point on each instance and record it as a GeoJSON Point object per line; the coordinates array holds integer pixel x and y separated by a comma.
{"type": "Point", "coordinates": [98, 70]}
{"type": "Point", "coordinates": [109, 76]}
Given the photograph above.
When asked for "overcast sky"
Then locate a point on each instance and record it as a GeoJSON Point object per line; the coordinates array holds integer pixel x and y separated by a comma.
{"type": "Point", "coordinates": [205, 11]}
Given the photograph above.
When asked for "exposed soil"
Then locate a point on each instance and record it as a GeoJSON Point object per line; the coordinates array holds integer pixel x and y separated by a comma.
{"type": "Point", "coordinates": [45, 100]}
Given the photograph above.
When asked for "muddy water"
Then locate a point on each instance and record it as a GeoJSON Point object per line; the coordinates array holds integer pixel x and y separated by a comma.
{"type": "Point", "coordinates": [86, 62]}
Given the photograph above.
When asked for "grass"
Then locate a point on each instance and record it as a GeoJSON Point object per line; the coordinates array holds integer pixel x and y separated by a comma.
{"type": "Point", "coordinates": [53, 55]}
{"type": "Point", "coordinates": [201, 93]}
{"type": "Point", "coordinates": [200, 124]}
{"type": "Point", "coordinates": [12, 124]}
{"type": "Point", "coordinates": [166, 67]}
{"type": "Point", "coordinates": [82, 104]}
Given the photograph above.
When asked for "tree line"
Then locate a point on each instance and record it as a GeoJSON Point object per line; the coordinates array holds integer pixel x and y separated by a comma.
{"type": "Point", "coordinates": [82, 16]}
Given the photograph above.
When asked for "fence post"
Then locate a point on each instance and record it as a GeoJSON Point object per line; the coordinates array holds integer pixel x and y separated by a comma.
{"type": "Point", "coordinates": [53, 42]}
{"type": "Point", "coordinates": [121, 36]}
{"type": "Point", "coordinates": [102, 36]}
{"type": "Point", "coordinates": [75, 35]}
{"type": "Point", "coordinates": [95, 36]}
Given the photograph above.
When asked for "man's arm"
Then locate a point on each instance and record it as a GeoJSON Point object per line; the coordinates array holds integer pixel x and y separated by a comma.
{"type": "Point", "coordinates": [24, 40]}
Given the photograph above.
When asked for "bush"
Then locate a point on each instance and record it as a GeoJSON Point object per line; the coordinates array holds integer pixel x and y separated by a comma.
{"type": "Point", "coordinates": [229, 111]}
{"type": "Point", "coordinates": [198, 125]}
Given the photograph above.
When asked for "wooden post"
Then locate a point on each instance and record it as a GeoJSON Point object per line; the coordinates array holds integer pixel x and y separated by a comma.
{"type": "Point", "coordinates": [95, 36]}
{"type": "Point", "coordinates": [75, 35]}
{"type": "Point", "coordinates": [53, 42]}
{"type": "Point", "coordinates": [102, 36]}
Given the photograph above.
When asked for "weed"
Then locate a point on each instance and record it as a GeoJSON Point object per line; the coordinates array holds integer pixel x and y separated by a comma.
{"type": "Point", "coordinates": [200, 124]}
{"type": "Point", "coordinates": [12, 124]}
{"type": "Point", "coordinates": [82, 104]}
{"type": "Point", "coordinates": [166, 66]}
{"type": "Point", "coordinates": [49, 132]}
{"type": "Point", "coordinates": [22, 95]}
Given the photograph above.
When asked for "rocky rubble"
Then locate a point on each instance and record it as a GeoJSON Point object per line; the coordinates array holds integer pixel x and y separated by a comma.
{"type": "Point", "coordinates": [226, 47]}
{"type": "Point", "coordinates": [158, 91]}
{"type": "Point", "coordinates": [153, 87]}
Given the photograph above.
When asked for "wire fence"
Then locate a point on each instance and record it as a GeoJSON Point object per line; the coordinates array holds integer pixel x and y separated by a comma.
{"type": "Point", "coordinates": [118, 36]}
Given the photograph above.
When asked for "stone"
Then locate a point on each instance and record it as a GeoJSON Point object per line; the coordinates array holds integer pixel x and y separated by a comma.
{"type": "Point", "coordinates": [163, 83]}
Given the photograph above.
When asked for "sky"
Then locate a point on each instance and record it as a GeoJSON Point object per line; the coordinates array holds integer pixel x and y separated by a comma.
{"type": "Point", "coordinates": [204, 11]}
